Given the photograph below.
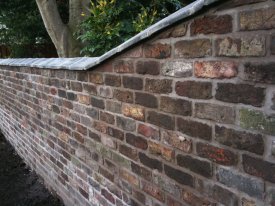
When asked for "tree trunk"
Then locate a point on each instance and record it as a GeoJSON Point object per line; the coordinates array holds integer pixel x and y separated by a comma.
{"type": "Point", "coordinates": [60, 33]}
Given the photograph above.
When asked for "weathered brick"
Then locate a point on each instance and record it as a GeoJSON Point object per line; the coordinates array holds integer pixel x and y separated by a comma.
{"type": "Point", "coordinates": [96, 78]}
{"type": "Point", "coordinates": [257, 19]}
{"type": "Point", "coordinates": [150, 162]}
{"type": "Point", "coordinates": [198, 166]}
{"type": "Point", "coordinates": [118, 134]}
{"type": "Point", "coordinates": [94, 136]}
{"type": "Point", "coordinates": [125, 123]}
{"type": "Point", "coordinates": [194, 90]}
{"type": "Point", "coordinates": [177, 69]}
{"type": "Point", "coordinates": [140, 197]}
{"type": "Point", "coordinates": [109, 142]}
{"type": "Point", "coordinates": [112, 80]}
{"type": "Point", "coordinates": [108, 195]}
{"type": "Point", "coordinates": [133, 53]}
{"type": "Point", "coordinates": [159, 51]}
{"type": "Point", "coordinates": [159, 150]}
{"type": "Point", "coordinates": [148, 67]}
{"type": "Point", "coordinates": [76, 86]}
{"type": "Point", "coordinates": [161, 120]}
{"type": "Point", "coordinates": [272, 46]}
{"type": "Point", "coordinates": [62, 93]}
{"type": "Point", "coordinates": [141, 171]}
{"type": "Point", "coordinates": [215, 69]}
{"type": "Point", "coordinates": [246, 202]}
{"type": "Point", "coordinates": [256, 120]}
{"type": "Point", "coordinates": [259, 168]}
{"type": "Point", "coordinates": [134, 112]}
{"type": "Point", "coordinates": [153, 191]}
{"type": "Point", "coordinates": [241, 47]}
{"type": "Point", "coordinates": [194, 129]}
{"type": "Point", "coordinates": [194, 200]}
{"type": "Point", "coordinates": [148, 131]}
{"type": "Point", "coordinates": [177, 141]}
{"type": "Point", "coordinates": [211, 24]}
{"type": "Point", "coordinates": [163, 86]}
{"type": "Point", "coordinates": [146, 100]}
{"type": "Point", "coordinates": [193, 48]}
{"type": "Point", "coordinates": [123, 66]}
{"type": "Point", "coordinates": [217, 113]}
{"type": "Point", "coordinates": [251, 186]}
{"type": "Point", "coordinates": [240, 93]}
{"type": "Point", "coordinates": [99, 103]}
{"type": "Point", "coordinates": [55, 109]}
{"type": "Point", "coordinates": [172, 202]}
{"type": "Point", "coordinates": [240, 140]}
{"type": "Point", "coordinates": [136, 141]}
{"type": "Point", "coordinates": [263, 73]}
{"type": "Point", "coordinates": [100, 126]}
{"type": "Point", "coordinates": [132, 82]}
{"type": "Point", "coordinates": [114, 107]}
{"type": "Point", "coordinates": [128, 152]}
{"type": "Point", "coordinates": [84, 99]}
{"type": "Point", "coordinates": [271, 195]}
{"type": "Point", "coordinates": [124, 96]}
{"type": "Point", "coordinates": [175, 106]}
{"type": "Point", "coordinates": [82, 76]}
{"type": "Point", "coordinates": [179, 176]}
{"type": "Point", "coordinates": [105, 91]}
{"type": "Point", "coordinates": [92, 112]}
{"type": "Point", "coordinates": [107, 117]}
{"type": "Point", "coordinates": [71, 96]}
{"type": "Point", "coordinates": [90, 88]}
{"type": "Point", "coordinates": [129, 177]}
{"type": "Point", "coordinates": [218, 155]}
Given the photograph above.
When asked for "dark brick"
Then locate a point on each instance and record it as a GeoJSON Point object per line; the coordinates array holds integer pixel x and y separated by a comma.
{"type": "Point", "coordinates": [141, 171]}
{"type": "Point", "coordinates": [194, 90]}
{"type": "Point", "coordinates": [193, 48]}
{"type": "Point", "coordinates": [132, 82]}
{"type": "Point", "coordinates": [126, 123]}
{"type": "Point", "coordinates": [263, 73]}
{"type": "Point", "coordinates": [90, 88]}
{"type": "Point", "coordinates": [147, 100]}
{"type": "Point", "coordinates": [71, 96]}
{"type": "Point", "coordinates": [76, 86]}
{"type": "Point", "coordinates": [240, 140]}
{"type": "Point", "coordinates": [113, 80]}
{"type": "Point", "coordinates": [150, 162]}
{"type": "Point", "coordinates": [115, 133]}
{"type": "Point", "coordinates": [148, 67]}
{"type": "Point", "coordinates": [93, 113]}
{"type": "Point", "coordinates": [62, 93]}
{"type": "Point", "coordinates": [179, 176]}
{"type": "Point", "coordinates": [107, 117]}
{"type": "Point", "coordinates": [212, 24]}
{"type": "Point", "coordinates": [55, 109]}
{"type": "Point", "coordinates": [136, 141]}
{"type": "Point", "coordinates": [161, 120]}
{"type": "Point", "coordinates": [159, 51]}
{"type": "Point", "coordinates": [240, 93]}
{"type": "Point", "coordinates": [122, 66]}
{"type": "Point", "coordinates": [114, 107]}
{"type": "Point", "coordinates": [82, 76]}
{"type": "Point", "coordinates": [203, 168]}
{"type": "Point", "coordinates": [194, 129]}
{"type": "Point", "coordinates": [108, 196]}
{"type": "Point", "coordinates": [94, 136]}
{"type": "Point", "coordinates": [124, 96]}
{"type": "Point", "coordinates": [163, 86]}
{"type": "Point", "coordinates": [251, 186]}
{"type": "Point", "coordinates": [99, 103]}
{"type": "Point", "coordinates": [175, 106]}
{"type": "Point", "coordinates": [236, 3]}
{"type": "Point", "coordinates": [83, 193]}
{"type": "Point", "coordinates": [259, 168]}
{"type": "Point", "coordinates": [128, 152]}
{"type": "Point", "coordinates": [218, 155]}
{"type": "Point", "coordinates": [272, 47]}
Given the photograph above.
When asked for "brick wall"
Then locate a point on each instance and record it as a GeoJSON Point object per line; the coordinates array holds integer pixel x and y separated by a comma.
{"type": "Point", "coordinates": [186, 118]}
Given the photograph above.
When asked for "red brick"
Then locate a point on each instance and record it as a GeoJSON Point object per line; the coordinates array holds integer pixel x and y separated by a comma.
{"type": "Point", "coordinates": [159, 51]}
{"type": "Point", "coordinates": [148, 131]}
{"type": "Point", "coordinates": [193, 48]}
{"type": "Point", "coordinates": [122, 66]}
{"type": "Point", "coordinates": [177, 141]}
{"type": "Point", "coordinates": [124, 96]}
{"type": "Point", "coordinates": [136, 141]}
{"type": "Point", "coordinates": [134, 112]}
{"type": "Point", "coordinates": [128, 152]}
{"type": "Point", "coordinates": [107, 117]}
{"type": "Point", "coordinates": [130, 178]}
{"type": "Point", "coordinates": [153, 191]}
{"type": "Point", "coordinates": [159, 150]}
{"type": "Point", "coordinates": [96, 78]}
{"type": "Point", "coordinates": [108, 196]}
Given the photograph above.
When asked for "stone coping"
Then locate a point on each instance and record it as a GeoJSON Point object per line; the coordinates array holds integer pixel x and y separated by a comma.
{"type": "Point", "coordinates": [85, 63]}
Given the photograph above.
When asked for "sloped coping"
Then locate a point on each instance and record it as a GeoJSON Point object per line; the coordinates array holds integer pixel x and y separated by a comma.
{"type": "Point", "coordinates": [85, 63]}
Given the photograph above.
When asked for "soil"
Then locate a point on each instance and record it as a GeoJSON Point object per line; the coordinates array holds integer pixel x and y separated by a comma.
{"type": "Point", "coordinates": [19, 186]}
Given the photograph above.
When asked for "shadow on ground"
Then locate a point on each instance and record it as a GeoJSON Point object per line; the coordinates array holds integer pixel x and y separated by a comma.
{"type": "Point", "coordinates": [18, 185]}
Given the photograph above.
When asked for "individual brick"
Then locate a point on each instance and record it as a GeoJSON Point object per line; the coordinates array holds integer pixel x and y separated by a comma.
{"type": "Point", "coordinates": [240, 93]}
{"type": "Point", "coordinates": [146, 100]}
{"type": "Point", "coordinates": [217, 113]}
{"type": "Point", "coordinates": [194, 90]}
{"type": "Point", "coordinates": [107, 117]}
{"type": "Point", "coordinates": [148, 131]}
{"type": "Point", "coordinates": [194, 129]}
{"type": "Point", "coordinates": [271, 195]}
{"type": "Point", "coordinates": [179, 176]}
{"type": "Point", "coordinates": [148, 67]}
{"type": "Point", "coordinates": [55, 109]}
{"type": "Point", "coordinates": [141, 171]}
{"type": "Point", "coordinates": [263, 73]}
{"type": "Point", "coordinates": [125, 123]}
{"type": "Point", "coordinates": [215, 69]}
{"type": "Point", "coordinates": [62, 93]}
{"type": "Point", "coordinates": [198, 166]}
{"type": "Point", "coordinates": [177, 69]}
{"type": "Point", "coordinates": [99, 103]}
{"type": "Point", "coordinates": [105, 92]}
{"type": "Point", "coordinates": [134, 112]}
{"type": "Point", "coordinates": [218, 155]}
{"type": "Point", "coordinates": [112, 80]}
{"type": "Point", "coordinates": [96, 78]}
{"type": "Point", "coordinates": [123, 66]}
{"type": "Point", "coordinates": [256, 120]}
{"type": "Point", "coordinates": [71, 96]}
{"type": "Point", "coordinates": [76, 86]}
{"type": "Point", "coordinates": [259, 168]}
{"type": "Point", "coordinates": [82, 76]}
{"type": "Point", "coordinates": [246, 202]}
{"type": "Point", "coordinates": [94, 136]}
{"type": "Point", "coordinates": [272, 46]}
{"type": "Point", "coordinates": [84, 99]}
{"type": "Point", "coordinates": [161, 120]}
{"type": "Point", "coordinates": [173, 202]}
{"type": "Point", "coordinates": [124, 96]}
{"type": "Point", "coordinates": [109, 142]}
{"type": "Point", "coordinates": [114, 107]}
{"type": "Point", "coordinates": [159, 51]}
{"type": "Point", "coordinates": [193, 48]}
{"type": "Point", "coordinates": [150, 162]}
{"type": "Point", "coordinates": [153, 191]}
{"type": "Point", "coordinates": [211, 25]}
{"type": "Point", "coordinates": [240, 140]}
{"type": "Point", "coordinates": [108, 195]}
{"type": "Point", "coordinates": [118, 134]}
{"type": "Point", "coordinates": [251, 186]}
{"type": "Point", "coordinates": [129, 177]}
{"type": "Point", "coordinates": [241, 47]}
{"type": "Point", "coordinates": [159, 150]}
{"type": "Point", "coordinates": [163, 86]}
{"type": "Point", "coordinates": [257, 19]}
{"type": "Point", "coordinates": [92, 112]}
{"type": "Point", "coordinates": [132, 82]}
{"type": "Point", "coordinates": [136, 141]}
{"type": "Point", "coordinates": [89, 88]}
{"type": "Point", "coordinates": [194, 200]}
{"type": "Point", "coordinates": [177, 141]}
{"type": "Point", "coordinates": [175, 106]}
{"type": "Point", "coordinates": [128, 152]}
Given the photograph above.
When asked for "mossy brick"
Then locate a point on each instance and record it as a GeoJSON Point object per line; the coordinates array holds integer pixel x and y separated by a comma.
{"type": "Point", "coordinates": [256, 120]}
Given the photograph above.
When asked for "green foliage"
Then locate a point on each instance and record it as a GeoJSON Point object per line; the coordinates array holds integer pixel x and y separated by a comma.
{"type": "Point", "coordinates": [114, 21]}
